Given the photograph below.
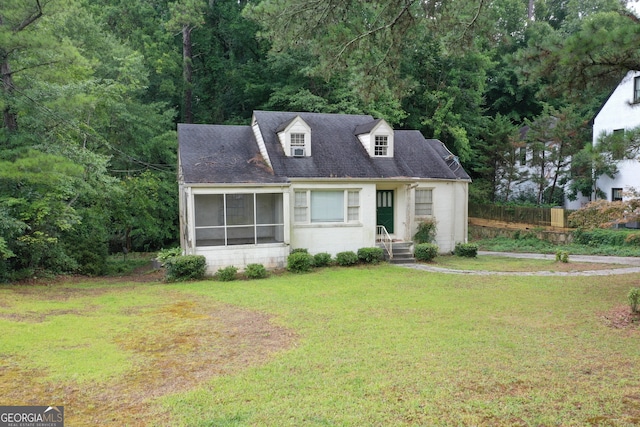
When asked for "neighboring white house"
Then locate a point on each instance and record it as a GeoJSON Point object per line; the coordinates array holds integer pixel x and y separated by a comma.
{"type": "Point", "coordinates": [621, 111]}
{"type": "Point", "coordinates": [324, 182]}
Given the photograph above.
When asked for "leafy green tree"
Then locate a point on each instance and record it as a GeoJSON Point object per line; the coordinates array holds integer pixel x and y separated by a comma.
{"type": "Point", "coordinates": [368, 38]}
{"type": "Point", "coordinates": [186, 15]}
{"type": "Point", "coordinates": [76, 96]}
{"type": "Point", "coordinates": [555, 137]}
{"type": "Point", "coordinates": [37, 193]}
{"type": "Point", "coordinates": [143, 212]}
{"type": "Point", "coordinates": [496, 161]}
{"type": "Point", "coordinates": [586, 54]}
{"type": "Point", "coordinates": [587, 166]}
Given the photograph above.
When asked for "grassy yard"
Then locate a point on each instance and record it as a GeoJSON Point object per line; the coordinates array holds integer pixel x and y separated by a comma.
{"type": "Point", "coordinates": [511, 264]}
{"type": "Point", "coordinates": [382, 345]}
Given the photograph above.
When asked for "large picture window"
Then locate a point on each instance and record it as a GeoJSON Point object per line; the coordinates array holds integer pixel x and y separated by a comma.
{"type": "Point", "coordinates": [327, 206]}
{"type": "Point", "coordinates": [238, 219]}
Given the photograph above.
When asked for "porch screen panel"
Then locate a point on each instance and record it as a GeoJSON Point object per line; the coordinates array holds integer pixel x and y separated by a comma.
{"type": "Point", "coordinates": [239, 209]}
{"type": "Point", "coordinates": [269, 218]}
{"type": "Point", "coordinates": [269, 208]}
{"type": "Point", "coordinates": [209, 210]}
{"type": "Point", "coordinates": [209, 217]}
{"type": "Point", "coordinates": [238, 219]}
{"type": "Point", "coordinates": [210, 236]}
{"type": "Point", "coordinates": [327, 206]}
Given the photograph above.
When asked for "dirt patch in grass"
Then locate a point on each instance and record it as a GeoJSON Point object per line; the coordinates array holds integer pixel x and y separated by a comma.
{"type": "Point", "coordinates": [577, 266]}
{"type": "Point", "coordinates": [518, 265]}
{"type": "Point", "coordinates": [621, 317]}
{"type": "Point", "coordinates": [191, 340]}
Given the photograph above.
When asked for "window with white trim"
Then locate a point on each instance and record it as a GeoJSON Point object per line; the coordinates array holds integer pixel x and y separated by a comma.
{"type": "Point", "coordinates": [238, 219]}
{"type": "Point", "coordinates": [301, 205]}
{"type": "Point", "coordinates": [424, 202]}
{"type": "Point", "coordinates": [636, 90]}
{"type": "Point", "coordinates": [326, 206]}
{"type": "Point", "coordinates": [297, 144]}
{"type": "Point", "coordinates": [616, 194]}
{"type": "Point", "coordinates": [381, 145]}
{"type": "Point", "coordinates": [353, 206]}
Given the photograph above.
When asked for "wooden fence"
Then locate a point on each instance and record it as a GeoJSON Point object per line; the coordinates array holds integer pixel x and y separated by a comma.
{"type": "Point", "coordinates": [544, 217]}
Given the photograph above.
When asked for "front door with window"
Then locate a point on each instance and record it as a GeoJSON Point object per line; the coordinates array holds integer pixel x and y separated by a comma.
{"type": "Point", "coordinates": [384, 211]}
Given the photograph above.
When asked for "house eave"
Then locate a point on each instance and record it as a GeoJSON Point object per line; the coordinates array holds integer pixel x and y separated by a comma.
{"type": "Point", "coordinates": [235, 184]}
{"type": "Point", "coordinates": [394, 179]}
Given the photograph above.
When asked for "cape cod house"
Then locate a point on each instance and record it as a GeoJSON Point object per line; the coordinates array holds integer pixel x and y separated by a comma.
{"type": "Point", "coordinates": [324, 182]}
{"type": "Point", "coordinates": [620, 112]}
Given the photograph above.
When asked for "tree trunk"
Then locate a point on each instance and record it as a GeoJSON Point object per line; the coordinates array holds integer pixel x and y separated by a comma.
{"type": "Point", "coordinates": [10, 121]}
{"type": "Point", "coordinates": [187, 73]}
{"type": "Point", "coordinates": [530, 10]}
{"type": "Point", "coordinates": [10, 118]}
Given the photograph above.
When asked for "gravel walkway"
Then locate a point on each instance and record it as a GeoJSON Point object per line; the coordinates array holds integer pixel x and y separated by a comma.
{"type": "Point", "coordinates": [632, 262]}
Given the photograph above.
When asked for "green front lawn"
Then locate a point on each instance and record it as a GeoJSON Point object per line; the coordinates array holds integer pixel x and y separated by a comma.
{"type": "Point", "coordinates": [512, 264]}
{"type": "Point", "coordinates": [360, 346]}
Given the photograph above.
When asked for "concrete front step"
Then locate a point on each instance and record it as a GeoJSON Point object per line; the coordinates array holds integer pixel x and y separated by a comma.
{"type": "Point", "coordinates": [401, 253]}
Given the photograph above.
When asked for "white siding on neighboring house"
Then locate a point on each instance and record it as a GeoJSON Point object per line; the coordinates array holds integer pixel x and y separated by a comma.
{"type": "Point", "coordinates": [619, 112]}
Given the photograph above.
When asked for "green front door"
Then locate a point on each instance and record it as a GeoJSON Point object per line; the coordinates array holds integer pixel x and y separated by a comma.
{"type": "Point", "coordinates": [384, 211]}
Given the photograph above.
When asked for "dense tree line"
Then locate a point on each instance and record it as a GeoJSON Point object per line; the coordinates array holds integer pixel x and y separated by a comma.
{"type": "Point", "coordinates": [92, 90]}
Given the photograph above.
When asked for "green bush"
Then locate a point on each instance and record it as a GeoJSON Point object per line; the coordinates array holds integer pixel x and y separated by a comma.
{"type": "Point", "coordinates": [371, 255]}
{"type": "Point", "coordinates": [322, 259]}
{"type": "Point", "coordinates": [300, 262]}
{"type": "Point", "coordinates": [301, 250]}
{"type": "Point", "coordinates": [634, 299]}
{"type": "Point", "coordinates": [562, 256]}
{"type": "Point", "coordinates": [426, 232]}
{"type": "Point", "coordinates": [346, 258]}
{"type": "Point", "coordinates": [468, 250]}
{"type": "Point", "coordinates": [632, 239]}
{"type": "Point", "coordinates": [255, 271]}
{"type": "Point", "coordinates": [601, 237]}
{"type": "Point", "coordinates": [185, 267]}
{"type": "Point", "coordinates": [426, 251]}
{"type": "Point", "coordinates": [227, 274]}
{"type": "Point", "coordinates": [165, 254]}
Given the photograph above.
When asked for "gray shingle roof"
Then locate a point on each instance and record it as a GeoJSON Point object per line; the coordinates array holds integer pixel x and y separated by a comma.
{"type": "Point", "coordinates": [230, 154]}
{"type": "Point", "coordinates": [221, 154]}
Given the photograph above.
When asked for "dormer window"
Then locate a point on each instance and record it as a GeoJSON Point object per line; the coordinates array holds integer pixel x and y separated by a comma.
{"type": "Point", "coordinates": [295, 137]}
{"type": "Point", "coordinates": [381, 145]}
{"type": "Point", "coordinates": [376, 137]}
{"type": "Point", "coordinates": [297, 145]}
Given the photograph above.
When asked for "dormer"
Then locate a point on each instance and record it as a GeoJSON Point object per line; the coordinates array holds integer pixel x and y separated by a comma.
{"type": "Point", "coordinates": [376, 137]}
{"type": "Point", "coordinates": [295, 138]}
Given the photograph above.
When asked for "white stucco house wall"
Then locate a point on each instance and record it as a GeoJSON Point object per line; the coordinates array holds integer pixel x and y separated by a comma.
{"type": "Point", "coordinates": [620, 112]}
{"type": "Point", "coordinates": [324, 182]}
